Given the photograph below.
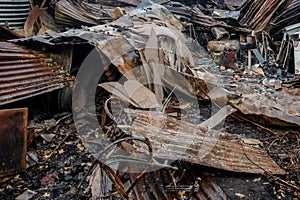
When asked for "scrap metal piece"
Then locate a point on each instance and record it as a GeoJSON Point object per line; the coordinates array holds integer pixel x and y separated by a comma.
{"type": "Point", "coordinates": [228, 58]}
{"type": "Point", "coordinates": [258, 15]}
{"type": "Point", "coordinates": [157, 185]}
{"type": "Point", "coordinates": [287, 16]}
{"type": "Point", "coordinates": [173, 139]}
{"type": "Point", "coordinates": [220, 33]}
{"type": "Point", "coordinates": [280, 109]}
{"type": "Point", "coordinates": [209, 188]}
{"type": "Point", "coordinates": [13, 142]}
{"type": "Point", "coordinates": [291, 37]}
{"type": "Point", "coordinates": [13, 13]}
{"type": "Point", "coordinates": [22, 74]}
{"type": "Point", "coordinates": [259, 57]}
{"type": "Point", "coordinates": [73, 13]}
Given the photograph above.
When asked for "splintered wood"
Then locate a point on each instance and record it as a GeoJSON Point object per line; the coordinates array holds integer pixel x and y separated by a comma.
{"type": "Point", "coordinates": [173, 140]}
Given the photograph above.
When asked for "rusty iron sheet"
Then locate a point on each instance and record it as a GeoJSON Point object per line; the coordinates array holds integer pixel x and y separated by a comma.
{"type": "Point", "coordinates": [289, 16]}
{"type": "Point", "coordinates": [280, 109]}
{"type": "Point", "coordinates": [202, 20]}
{"type": "Point", "coordinates": [191, 182]}
{"type": "Point", "coordinates": [22, 74]}
{"type": "Point", "coordinates": [153, 186]}
{"type": "Point", "coordinates": [72, 37]}
{"type": "Point", "coordinates": [14, 13]}
{"type": "Point", "coordinates": [69, 13]}
{"type": "Point", "coordinates": [97, 9]}
{"type": "Point", "coordinates": [72, 13]}
{"type": "Point", "coordinates": [13, 140]}
{"type": "Point", "coordinates": [258, 15]}
{"type": "Point", "coordinates": [174, 139]}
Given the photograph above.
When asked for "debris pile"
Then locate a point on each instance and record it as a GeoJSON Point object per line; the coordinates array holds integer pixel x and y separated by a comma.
{"type": "Point", "coordinates": [175, 75]}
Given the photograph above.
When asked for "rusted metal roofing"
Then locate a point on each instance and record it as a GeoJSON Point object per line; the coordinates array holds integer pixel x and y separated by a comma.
{"type": "Point", "coordinates": [72, 13]}
{"type": "Point", "coordinates": [13, 141]}
{"type": "Point", "coordinates": [289, 16]}
{"type": "Point", "coordinates": [259, 13]}
{"type": "Point", "coordinates": [23, 75]}
{"type": "Point", "coordinates": [53, 38]}
{"type": "Point", "coordinates": [174, 139]}
{"type": "Point", "coordinates": [153, 187]}
{"type": "Point", "coordinates": [13, 13]}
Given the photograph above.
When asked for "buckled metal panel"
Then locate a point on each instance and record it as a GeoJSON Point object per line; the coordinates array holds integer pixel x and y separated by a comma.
{"type": "Point", "coordinates": [23, 75]}
{"type": "Point", "coordinates": [13, 13]}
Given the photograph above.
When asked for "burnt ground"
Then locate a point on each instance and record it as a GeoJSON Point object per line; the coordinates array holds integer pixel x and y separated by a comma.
{"type": "Point", "coordinates": [282, 144]}
{"type": "Point", "coordinates": [58, 176]}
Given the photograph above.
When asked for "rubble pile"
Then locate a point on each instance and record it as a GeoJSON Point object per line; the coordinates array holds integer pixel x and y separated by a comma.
{"type": "Point", "coordinates": [166, 96]}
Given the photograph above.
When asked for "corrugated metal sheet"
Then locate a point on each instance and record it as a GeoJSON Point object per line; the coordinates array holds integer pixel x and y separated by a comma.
{"type": "Point", "coordinates": [72, 13]}
{"type": "Point", "coordinates": [153, 187]}
{"type": "Point", "coordinates": [259, 13]}
{"type": "Point", "coordinates": [13, 13]}
{"type": "Point", "coordinates": [23, 75]}
{"type": "Point", "coordinates": [50, 38]}
{"type": "Point", "coordinates": [173, 139]}
{"type": "Point", "coordinates": [290, 15]}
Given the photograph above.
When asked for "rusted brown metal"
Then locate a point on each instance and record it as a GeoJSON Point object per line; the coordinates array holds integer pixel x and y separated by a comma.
{"type": "Point", "coordinates": [23, 75]}
{"type": "Point", "coordinates": [279, 109]}
{"type": "Point", "coordinates": [173, 139]}
{"type": "Point", "coordinates": [14, 13]}
{"type": "Point", "coordinates": [156, 186]}
{"type": "Point", "coordinates": [13, 140]}
{"type": "Point", "coordinates": [259, 13]}
{"type": "Point", "coordinates": [220, 33]}
{"type": "Point", "coordinates": [288, 16]}
{"type": "Point", "coordinates": [209, 188]}
{"type": "Point", "coordinates": [73, 13]}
